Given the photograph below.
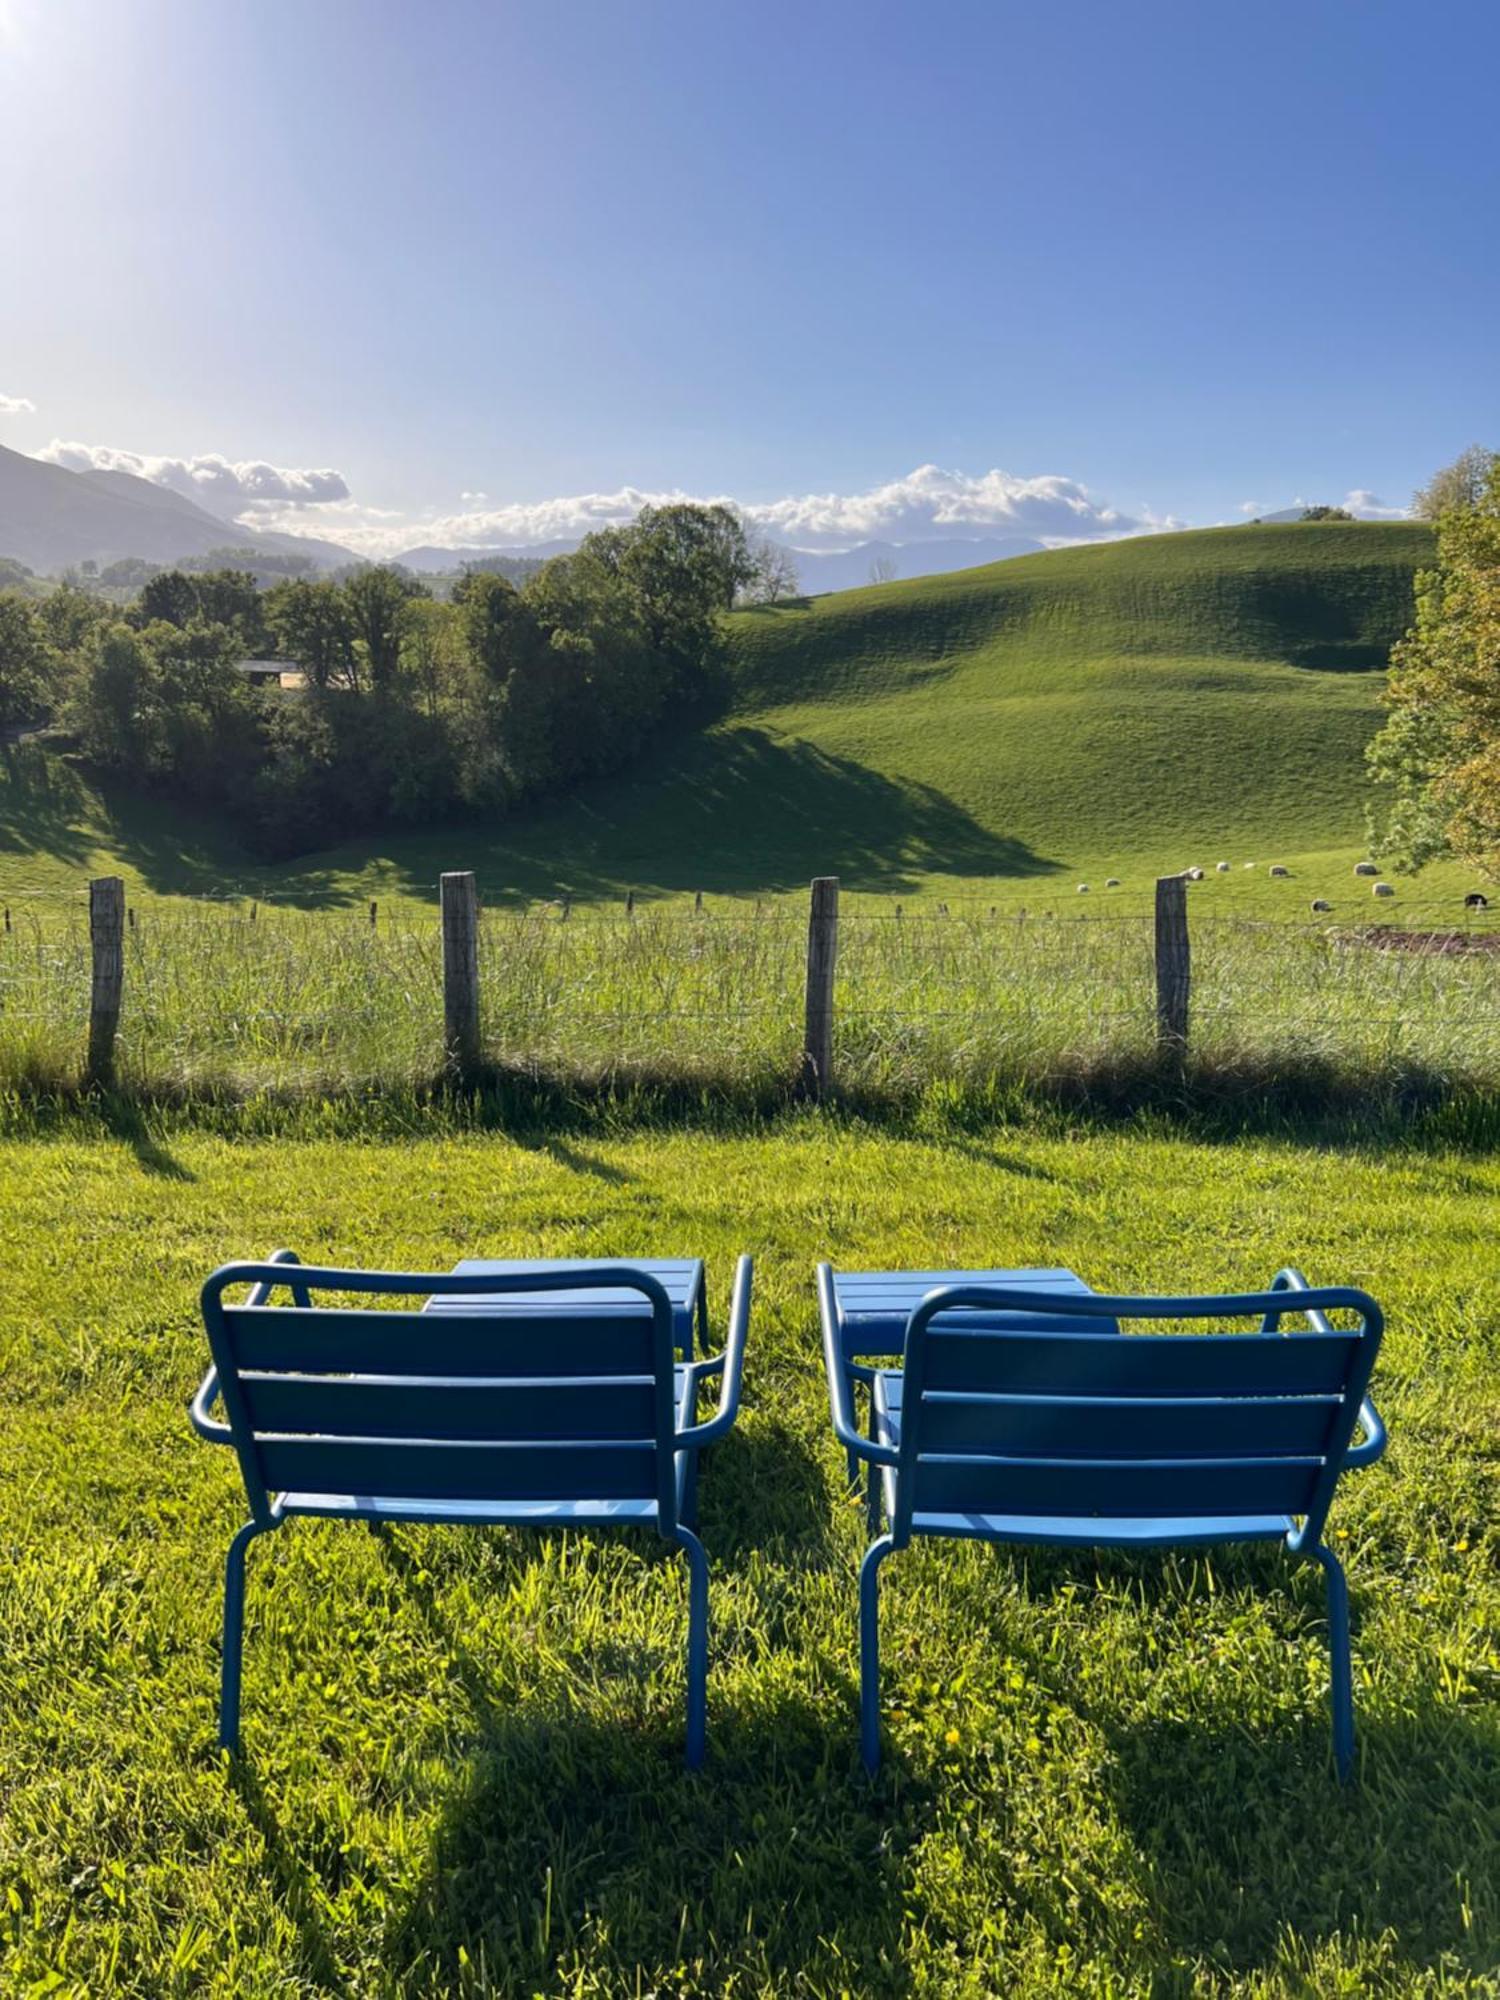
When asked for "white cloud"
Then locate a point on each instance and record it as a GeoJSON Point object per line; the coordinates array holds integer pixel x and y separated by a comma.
{"type": "Point", "coordinates": [931, 504]}
{"type": "Point", "coordinates": [223, 485]}
{"type": "Point", "coordinates": [927, 505]}
{"type": "Point", "coordinates": [473, 496]}
{"type": "Point", "coordinates": [1369, 507]}
{"type": "Point", "coordinates": [17, 406]}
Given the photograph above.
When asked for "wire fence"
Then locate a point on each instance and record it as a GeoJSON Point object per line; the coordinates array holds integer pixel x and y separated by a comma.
{"type": "Point", "coordinates": [242, 997]}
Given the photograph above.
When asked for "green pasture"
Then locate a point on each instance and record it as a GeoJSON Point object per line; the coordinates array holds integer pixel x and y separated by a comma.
{"type": "Point", "coordinates": [999, 734]}
{"type": "Point", "coordinates": [1106, 1776]}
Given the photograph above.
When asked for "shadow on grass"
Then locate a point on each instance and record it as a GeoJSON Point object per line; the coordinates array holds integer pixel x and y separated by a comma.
{"type": "Point", "coordinates": [1242, 1840]}
{"type": "Point", "coordinates": [734, 810]}
{"type": "Point", "coordinates": [126, 1120]}
{"type": "Point", "coordinates": [297, 1884]}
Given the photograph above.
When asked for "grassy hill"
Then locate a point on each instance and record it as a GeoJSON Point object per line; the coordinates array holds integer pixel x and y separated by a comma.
{"type": "Point", "coordinates": [1003, 732]}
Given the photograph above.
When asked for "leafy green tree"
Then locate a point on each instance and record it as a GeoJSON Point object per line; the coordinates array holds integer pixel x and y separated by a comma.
{"type": "Point", "coordinates": [232, 598]}
{"type": "Point", "coordinates": [1461, 484]}
{"type": "Point", "coordinates": [310, 624]}
{"type": "Point", "coordinates": [1438, 754]}
{"type": "Point", "coordinates": [375, 600]}
{"type": "Point", "coordinates": [113, 709]}
{"type": "Point", "coordinates": [169, 597]}
{"type": "Point", "coordinates": [70, 616]}
{"type": "Point", "coordinates": [1326, 514]}
{"type": "Point", "coordinates": [25, 661]}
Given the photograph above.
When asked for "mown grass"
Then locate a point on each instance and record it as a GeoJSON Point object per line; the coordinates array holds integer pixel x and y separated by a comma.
{"type": "Point", "coordinates": [463, 1769]}
{"type": "Point", "coordinates": [235, 1000]}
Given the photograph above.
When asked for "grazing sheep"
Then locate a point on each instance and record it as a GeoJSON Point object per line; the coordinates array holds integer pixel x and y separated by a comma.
{"type": "Point", "coordinates": [1083, 888]}
{"type": "Point", "coordinates": [1249, 864]}
{"type": "Point", "coordinates": [1277, 869]}
{"type": "Point", "coordinates": [1221, 867]}
{"type": "Point", "coordinates": [1382, 889]}
{"type": "Point", "coordinates": [1475, 901]}
{"type": "Point", "coordinates": [1366, 868]}
{"type": "Point", "coordinates": [1319, 904]}
{"type": "Point", "coordinates": [1193, 874]}
{"type": "Point", "coordinates": [1113, 882]}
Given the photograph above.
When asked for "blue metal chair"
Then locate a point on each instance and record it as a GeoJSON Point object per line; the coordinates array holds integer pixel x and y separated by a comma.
{"type": "Point", "coordinates": [584, 1418]}
{"type": "Point", "coordinates": [1110, 1440]}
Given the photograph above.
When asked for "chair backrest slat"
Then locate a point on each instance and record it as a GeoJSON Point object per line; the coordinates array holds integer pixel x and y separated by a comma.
{"type": "Point", "coordinates": [499, 1472]}
{"type": "Point", "coordinates": [620, 1408]}
{"type": "Point", "coordinates": [499, 1402]}
{"type": "Point", "coordinates": [997, 1420]}
{"type": "Point", "coordinates": [1138, 1364]}
{"type": "Point", "coordinates": [1124, 1487]}
{"type": "Point", "coordinates": [332, 1340]}
{"type": "Point", "coordinates": [1185, 1427]}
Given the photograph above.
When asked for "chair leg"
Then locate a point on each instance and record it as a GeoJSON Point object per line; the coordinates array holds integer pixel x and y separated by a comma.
{"type": "Point", "coordinates": [697, 1659]}
{"type": "Point", "coordinates": [872, 1500]}
{"type": "Point", "coordinates": [869, 1652]}
{"type": "Point", "coordinates": [234, 1634]}
{"type": "Point", "coordinates": [1340, 1661]}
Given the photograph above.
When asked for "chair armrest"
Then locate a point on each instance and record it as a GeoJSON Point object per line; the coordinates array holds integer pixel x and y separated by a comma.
{"type": "Point", "coordinates": [1373, 1444]}
{"type": "Point", "coordinates": [300, 1294]}
{"type": "Point", "coordinates": [840, 1391]}
{"type": "Point", "coordinates": [208, 1389]}
{"type": "Point", "coordinates": [730, 1364]}
{"type": "Point", "coordinates": [198, 1411]}
{"type": "Point", "coordinates": [1292, 1280]}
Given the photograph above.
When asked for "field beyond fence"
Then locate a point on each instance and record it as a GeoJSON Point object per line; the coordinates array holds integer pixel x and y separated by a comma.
{"type": "Point", "coordinates": [240, 998]}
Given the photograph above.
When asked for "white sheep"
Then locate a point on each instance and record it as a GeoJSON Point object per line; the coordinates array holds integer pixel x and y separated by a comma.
{"type": "Point", "coordinates": [1113, 882]}
{"type": "Point", "coordinates": [1083, 888]}
{"type": "Point", "coordinates": [1319, 904]}
{"type": "Point", "coordinates": [1278, 870]}
{"type": "Point", "coordinates": [1193, 874]}
{"type": "Point", "coordinates": [1383, 889]}
{"type": "Point", "coordinates": [1365, 868]}
{"type": "Point", "coordinates": [1221, 867]}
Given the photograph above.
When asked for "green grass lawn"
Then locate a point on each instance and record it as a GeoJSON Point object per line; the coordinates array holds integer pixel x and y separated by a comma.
{"type": "Point", "coordinates": [1105, 1776]}
{"type": "Point", "coordinates": [998, 734]}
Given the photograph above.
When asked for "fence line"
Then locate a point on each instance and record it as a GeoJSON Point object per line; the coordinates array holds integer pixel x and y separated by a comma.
{"type": "Point", "coordinates": [255, 993]}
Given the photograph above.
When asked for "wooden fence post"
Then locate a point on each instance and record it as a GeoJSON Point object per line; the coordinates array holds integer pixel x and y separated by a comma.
{"type": "Point", "coordinates": [1174, 972]}
{"type": "Point", "coordinates": [822, 953]}
{"type": "Point", "coordinates": [107, 942]}
{"type": "Point", "coordinates": [460, 908]}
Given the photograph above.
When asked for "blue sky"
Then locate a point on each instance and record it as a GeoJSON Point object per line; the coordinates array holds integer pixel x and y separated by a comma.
{"type": "Point", "coordinates": [1183, 257]}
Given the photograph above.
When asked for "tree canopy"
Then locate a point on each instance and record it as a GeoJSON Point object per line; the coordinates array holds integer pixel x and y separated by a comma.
{"type": "Point", "coordinates": [1438, 755]}
{"type": "Point", "coordinates": [409, 707]}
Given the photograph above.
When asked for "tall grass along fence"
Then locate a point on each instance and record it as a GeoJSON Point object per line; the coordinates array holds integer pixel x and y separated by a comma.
{"type": "Point", "coordinates": [877, 996]}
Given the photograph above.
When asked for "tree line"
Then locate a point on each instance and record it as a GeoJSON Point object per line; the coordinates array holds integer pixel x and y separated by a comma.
{"type": "Point", "coordinates": [409, 708]}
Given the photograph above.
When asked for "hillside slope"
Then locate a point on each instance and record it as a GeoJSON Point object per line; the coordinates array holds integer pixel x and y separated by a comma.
{"type": "Point", "coordinates": [1124, 709]}
{"type": "Point", "coordinates": [51, 518]}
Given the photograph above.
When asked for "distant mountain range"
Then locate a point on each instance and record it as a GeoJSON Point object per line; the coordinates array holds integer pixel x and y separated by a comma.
{"type": "Point", "coordinates": [52, 519]}
{"type": "Point", "coordinates": [818, 570]}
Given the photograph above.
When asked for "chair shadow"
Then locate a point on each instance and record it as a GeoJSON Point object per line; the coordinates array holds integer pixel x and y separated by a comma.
{"type": "Point", "coordinates": [296, 1879]}
{"type": "Point", "coordinates": [560, 1832]}
{"type": "Point", "coordinates": [559, 1826]}
{"type": "Point", "coordinates": [1385, 1856]}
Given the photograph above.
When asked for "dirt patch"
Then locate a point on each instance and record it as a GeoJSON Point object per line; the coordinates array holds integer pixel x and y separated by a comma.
{"type": "Point", "coordinates": [1429, 944]}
